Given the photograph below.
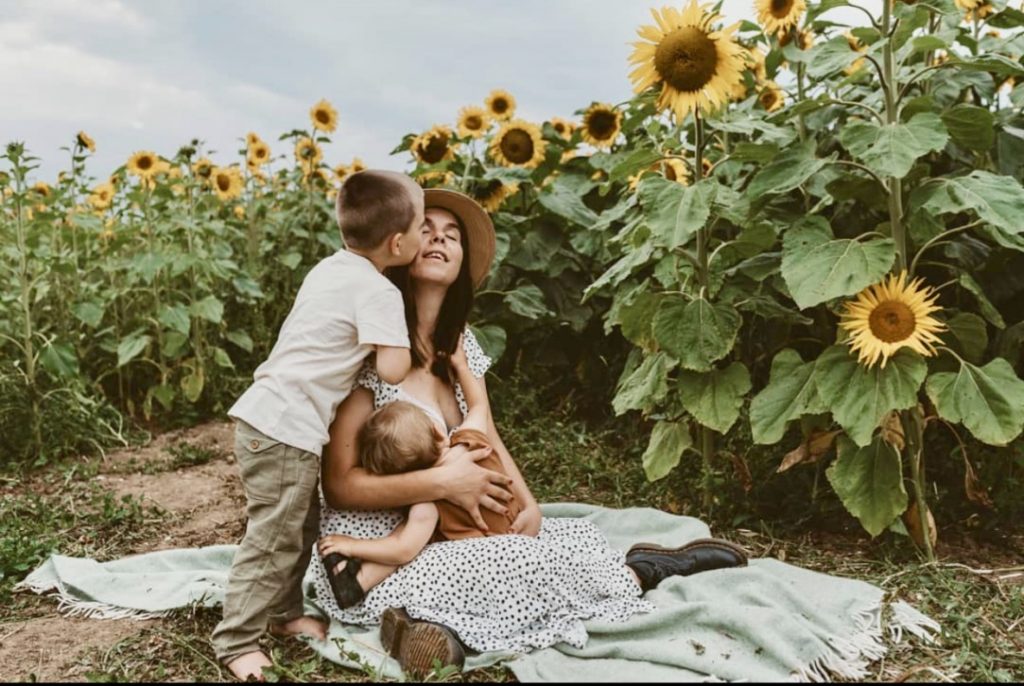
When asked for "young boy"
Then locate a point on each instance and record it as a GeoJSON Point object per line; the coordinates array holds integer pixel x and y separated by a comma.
{"type": "Point", "coordinates": [400, 437]}
{"type": "Point", "coordinates": [345, 309]}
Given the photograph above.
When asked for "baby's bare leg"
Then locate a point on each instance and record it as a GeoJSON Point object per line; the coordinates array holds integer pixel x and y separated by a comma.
{"type": "Point", "coordinates": [370, 573]}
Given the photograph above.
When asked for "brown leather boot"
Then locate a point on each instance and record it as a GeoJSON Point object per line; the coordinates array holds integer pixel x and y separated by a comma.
{"type": "Point", "coordinates": [418, 644]}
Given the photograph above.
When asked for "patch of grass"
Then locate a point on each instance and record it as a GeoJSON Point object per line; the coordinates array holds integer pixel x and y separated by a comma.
{"type": "Point", "coordinates": [188, 455]}
{"type": "Point", "coordinates": [74, 518]}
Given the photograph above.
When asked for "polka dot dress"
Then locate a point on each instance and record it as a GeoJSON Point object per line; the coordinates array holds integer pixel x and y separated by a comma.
{"type": "Point", "coordinates": [498, 592]}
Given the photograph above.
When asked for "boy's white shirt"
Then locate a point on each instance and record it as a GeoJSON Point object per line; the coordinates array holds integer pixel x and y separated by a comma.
{"type": "Point", "coordinates": [343, 308]}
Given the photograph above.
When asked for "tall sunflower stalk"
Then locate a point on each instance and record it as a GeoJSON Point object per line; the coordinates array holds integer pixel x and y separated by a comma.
{"type": "Point", "coordinates": [26, 283]}
{"type": "Point", "coordinates": [912, 419]}
{"type": "Point", "coordinates": [696, 67]}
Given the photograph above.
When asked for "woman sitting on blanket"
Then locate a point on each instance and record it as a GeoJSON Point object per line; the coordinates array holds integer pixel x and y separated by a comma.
{"type": "Point", "coordinates": [505, 580]}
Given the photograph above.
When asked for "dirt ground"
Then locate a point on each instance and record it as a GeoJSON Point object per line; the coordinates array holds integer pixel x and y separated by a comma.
{"type": "Point", "coordinates": [205, 506]}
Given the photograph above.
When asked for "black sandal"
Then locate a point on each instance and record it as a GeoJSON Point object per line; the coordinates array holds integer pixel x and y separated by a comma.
{"type": "Point", "coordinates": [344, 585]}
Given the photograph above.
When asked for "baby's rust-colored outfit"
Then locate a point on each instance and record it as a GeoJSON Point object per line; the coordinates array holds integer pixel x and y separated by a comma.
{"type": "Point", "coordinates": [453, 522]}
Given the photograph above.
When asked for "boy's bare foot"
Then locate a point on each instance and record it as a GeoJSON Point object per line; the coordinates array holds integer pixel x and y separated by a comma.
{"type": "Point", "coordinates": [249, 666]}
{"type": "Point", "coordinates": [307, 626]}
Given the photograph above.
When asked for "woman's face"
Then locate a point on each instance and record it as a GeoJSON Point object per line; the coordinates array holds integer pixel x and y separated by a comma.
{"type": "Point", "coordinates": [440, 256]}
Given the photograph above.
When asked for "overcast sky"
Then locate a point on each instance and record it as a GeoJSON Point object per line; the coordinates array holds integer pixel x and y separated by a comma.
{"type": "Point", "coordinates": [147, 75]}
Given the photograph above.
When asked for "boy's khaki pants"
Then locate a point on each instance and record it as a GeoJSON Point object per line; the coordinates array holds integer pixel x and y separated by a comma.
{"type": "Point", "coordinates": [283, 507]}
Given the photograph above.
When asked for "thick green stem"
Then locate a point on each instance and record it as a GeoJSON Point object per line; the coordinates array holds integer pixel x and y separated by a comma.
{"type": "Point", "coordinates": [889, 88]}
{"type": "Point", "coordinates": [913, 429]}
{"type": "Point", "coordinates": [703, 238]}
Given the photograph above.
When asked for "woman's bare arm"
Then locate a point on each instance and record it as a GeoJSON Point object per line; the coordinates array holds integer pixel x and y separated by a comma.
{"type": "Point", "coordinates": [530, 509]}
{"type": "Point", "coordinates": [347, 486]}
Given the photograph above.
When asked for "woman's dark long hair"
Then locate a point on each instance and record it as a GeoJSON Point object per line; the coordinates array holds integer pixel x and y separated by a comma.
{"type": "Point", "coordinates": [451, 320]}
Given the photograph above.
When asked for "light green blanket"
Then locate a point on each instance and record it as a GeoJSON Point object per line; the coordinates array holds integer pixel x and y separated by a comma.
{"type": "Point", "coordinates": [769, 621]}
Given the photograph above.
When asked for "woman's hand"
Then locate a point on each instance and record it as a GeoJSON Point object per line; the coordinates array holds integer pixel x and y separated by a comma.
{"type": "Point", "coordinates": [336, 543]}
{"type": "Point", "coordinates": [528, 522]}
{"type": "Point", "coordinates": [471, 486]}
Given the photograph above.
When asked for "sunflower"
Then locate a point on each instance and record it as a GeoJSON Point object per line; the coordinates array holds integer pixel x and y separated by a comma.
{"type": "Point", "coordinates": [891, 315]}
{"type": "Point", "coordinates": [473, 121]}
{"type": "Point", "coordinates": [431, 179]}
{"type": "Point", "coordinates": [227, 182]}
{"type": "Point", "coordinates": [42, 188]}
{"type": "Point", "coordinates": [434, 145]}
{"type": "Point", "coordinates": [779, 16]}
{"type": "Point", "coordinates": [770, 96]}
{"type": "Point", "coordinates": [203, 167]}
{"type": "Point", "coordinates": [252, 138]}
{"type": "Point", "coordinates": [84, 140]}
{"type": "Point", "coordinates": [675, 170]}
{"type": "Point", "coordinates": [239, 211]}
{"type": "Point", "coordinates": [518, 143]}
{"type": "Point", "coordinates": [601, 125]}
{"type": "Point", "coordinates": [694, 65]}
{"type": "Point", "coordinates": [324, 116]}
{"type": "Point", "coordinates": [308, 153]}
{"type": "Point", "coordinates": [259, 153]}
{"type": "Point", "coordinates": [500, 104]}
{"type": "Point", "coordinates": [101, 196]}
{"type": "Point", "coordinates": [490, 194]}
{"type": "Point", "coordinates": [856, 45]}
{"type": "Point", "coordinates": [143, 164]}
{"type": "Point", "coordinates": [756, 61]}
{"type": "Point", "coordinates": [980, 11]}
{"type": "Point", "coordinates": [356, 166]}
{"type": "Point", "coordinates": [563, 127]}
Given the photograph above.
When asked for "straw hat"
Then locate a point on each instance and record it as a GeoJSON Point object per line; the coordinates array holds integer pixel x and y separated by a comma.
{"type": "Point", "coordinates": [476, 222]}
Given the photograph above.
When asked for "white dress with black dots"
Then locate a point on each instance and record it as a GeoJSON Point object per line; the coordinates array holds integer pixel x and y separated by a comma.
{"type": "Point", "coordinates": [497, 592]}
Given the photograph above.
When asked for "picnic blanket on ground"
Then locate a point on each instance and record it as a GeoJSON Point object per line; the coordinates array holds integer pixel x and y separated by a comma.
{"type": "Point", "coordinates": [770, 621]}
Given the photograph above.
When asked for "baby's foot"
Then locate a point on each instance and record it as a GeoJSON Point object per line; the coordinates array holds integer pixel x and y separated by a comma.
{"type": "Point", "coordinates": [307, 626]}
{"type": "Point", "coordinates": [249, 666]}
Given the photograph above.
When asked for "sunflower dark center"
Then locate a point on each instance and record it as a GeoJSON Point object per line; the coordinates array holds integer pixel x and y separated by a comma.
{"type": "Point", "coordinates": [686, 59]}
{"type": "Point", "coordinates": [435, 149]}
{"type": "Point", "coordinates": [781, 8]}
{"type": "Point", "coordinates": [474, 122]}
{"type": "Point", "coordinates": [892, 321]}
{"type": "Point", "coordinates": [559, 128]}
{"type": "Point", "coordinates": [489, 189]}
{"type": "Point", "coordinates": [517, 146]}
{"type": "Point", "coordinates": [670, 172]}
{"type": "Point", "coordinates": [145, 163]}
{"type": "Point", "coordinates": [323, 117]}
{"type": "Point", "coordinates": [499, 105]}
{"type": "Point", "coordinates": [223, 182]}
{"type": "Point", "coordinates": [602, 124]}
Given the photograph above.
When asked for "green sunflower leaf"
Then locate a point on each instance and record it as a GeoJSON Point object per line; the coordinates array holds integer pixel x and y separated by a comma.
{"type": "Point", "coordinates": [971, 126]}
{"type": "Point", "coordinates": [665, 449]}
{"type": "Point", "coordinates": [816, 267]}
{"type": "Point", "coordinates": [790, 168]}
{"type": "Point", "coordinates": [646, 386]}
{"type": "Point", "coordinates": [860, 397]}
{"type": "Point", "coordinates": [675, 212]}
{"type": "Point", "coordinates": [988, 400]}
{"type": "Point", "coordinates": [791, 392]}
{"type": "Point", "coordinates": [697, 333]}
{"type": "Point", "coordinates": [970, 333]}
{"type": "Point", "coordinates": [869, 482]}
{"type": "Point", "coordinates": [891, 149]}
{"type": "Point", "coordinates": [988, 310]}
{"type": "Point", "coordinates": [714, 398]}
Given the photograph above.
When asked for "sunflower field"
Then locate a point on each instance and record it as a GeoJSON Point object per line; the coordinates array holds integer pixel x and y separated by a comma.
{"type": "Point", "coordinates": [797, 236]}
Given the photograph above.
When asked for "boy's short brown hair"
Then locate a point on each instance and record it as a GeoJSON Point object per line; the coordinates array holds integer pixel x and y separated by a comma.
{"type": "Point", "coordinates": [372, 205]}
{"type": "Point", "coordinates": [397, 438]}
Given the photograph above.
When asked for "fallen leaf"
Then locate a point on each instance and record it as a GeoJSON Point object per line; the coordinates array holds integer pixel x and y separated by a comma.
{"type": "Point", "coordinates": [976, 493]}
{"type": "Point", "coordinates": [892, 431]}
{"type": "Point", "coordinates": [742, 472]}
{"type": "Point", "coordinates": [810, 450]}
